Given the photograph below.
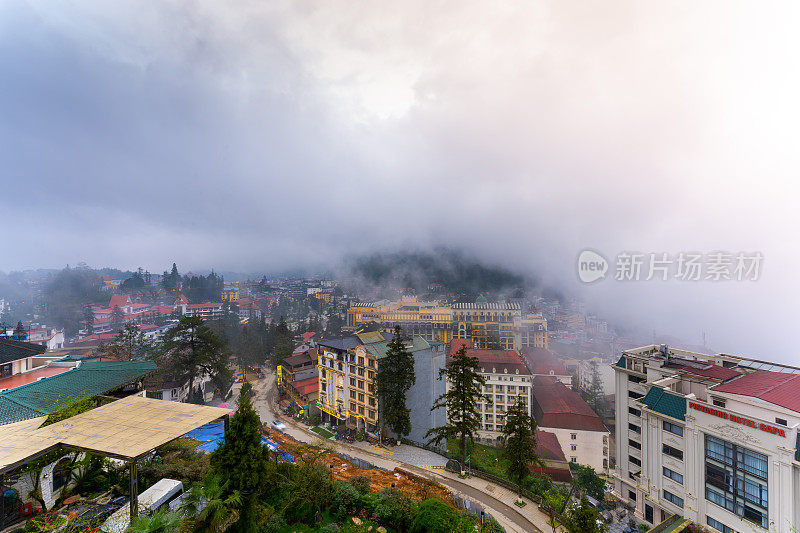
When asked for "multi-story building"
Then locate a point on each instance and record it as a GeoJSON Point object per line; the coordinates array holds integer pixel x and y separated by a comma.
{"type": "Point", "coordinates": [488, 325]}
{"type": "Point", "coordinates": [507, 380]}
{"type": "Point", "coordinates": [559, 410]}
{"type": "Point", "coordinates": [431, 321]}
{"type": "Point", "coordinates": [347, 368]}
{"type": "Point", "coordinates": [531, 331]}
{"type": "Point", "coordinates": [230, 294]}
{"type": "Point", "coordinates": [542, 362]}
{"type": "Point", "coordinates": [713, 438]}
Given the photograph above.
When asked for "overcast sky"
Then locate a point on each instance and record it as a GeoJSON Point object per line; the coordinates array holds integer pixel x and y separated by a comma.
{"type": "Point", "coordinates": [269, 135]}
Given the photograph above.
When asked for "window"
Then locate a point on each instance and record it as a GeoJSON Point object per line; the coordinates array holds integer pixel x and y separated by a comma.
{"type": "Point", "coordinates": [5, 370]}
{"type": "Point", "coordinates": [360, 384]}
{"type": "Point", "coordinates": [719, 526]}
{"type": "Point", "coordinates": [353, 394]}
{"type": "Point", "coordinates": [672, 498]}
{"type": "Point", "coordinates": [371, 413]}
{"type": "Point", "coordinates": [781, 421]}
{"type": "Point", "coordinates": [573, 447]}
{"type": "Point", "coordinates": [673, 475]}
{"type": "Point", "coordinates": [361, 397]}
{"type": "Point", "coordinates": [736, 479]}
{"type": "Point", "coordinates": [719, 402]}
{"type": "Point", "coordinates": [632, 495]}
{"type": "Point", "coordinates": [361, 409]}
{"type": "Point", "coordinates": [353, 382]}
{"type": "Point", "coordinates": [361, 361]}
{"type": "Point", "coordinates": [573, 436]}
{"type": "Point", "coordinates": [323, 372]}
{"type": "Point", "coordinates": [634, 460]}
{"type": "Point", "coordinates": [361, 372]}
{"type": "Point", "coordinates": [573, 459]}
{"type": "Point", "coordinates": [489, 427]}
{"type": "Point", "coordinates": [634, 395]}
{"type": "Point", "coordinates": [371, 374]}
{"type": "Point", "coordinates": [672, 428]}
{"type": "Point", "coordinates": [636, 379]}
{"type": "Point", "coordinates": [672, 452]}
{"type": "Point", "coordinates": [633, 444]}
{"type": "Point", "coordinates": [634, 428]}
{"type": "Point", "coordinates": [634, 411]}
{"type": "Point", "coordinates": [352, 369]}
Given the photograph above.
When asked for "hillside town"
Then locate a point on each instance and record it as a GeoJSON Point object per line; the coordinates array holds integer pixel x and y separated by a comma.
{"type": "Point", "coordinates": [432, 387]}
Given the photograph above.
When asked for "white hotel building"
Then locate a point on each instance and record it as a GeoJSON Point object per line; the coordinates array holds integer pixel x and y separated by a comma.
{"type": "Point", "coordinates": [713, 438]}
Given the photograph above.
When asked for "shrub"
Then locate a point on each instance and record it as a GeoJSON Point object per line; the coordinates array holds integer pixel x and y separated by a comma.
{"type": "Point", "coordinates": [344, 499]}
{"type": "Point", "coordinates": [490, 525]}
{"type": "Point", "coordinates": [330, 528]}
{"type": "Point", "coordinates": [393, 508]}
{"type": "Point", "coordinates": [361, 483]}
{"type": "Point", "coordinates": [274, 524]}
{"type": "Point", "coordinates": [434, 516]}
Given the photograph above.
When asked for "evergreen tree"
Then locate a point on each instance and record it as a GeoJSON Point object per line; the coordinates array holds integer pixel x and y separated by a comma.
{"type": "Point", "coordinates": [130, 344]}
{"type": "Point", "coordinates": [519, 448]}
{"type": "Point", "coordinates": [191, 349]}
{"type": "Point", "coordinates": [283, 341]}
{"type": "Point", "coordinates": [88, 317]}
{"type": "Point", "coordinates": [394, 377]}
{"type": "Point", "coordinates": [171, 280]}
{"type": "Point", "coordinates": [596, 395]}
{"type": "Point", "coordinates": [465, 384]}
{"type": "Point", "coordinates": [242, 462]}
{"type": "Point", "coordinates": [117, 317]}
{"type": "Point", "coordinates": [19, 332]}
{"type": "Point", "coordinates": [583, 518]}
{"type": "Point", "coordinates": [334, 325]}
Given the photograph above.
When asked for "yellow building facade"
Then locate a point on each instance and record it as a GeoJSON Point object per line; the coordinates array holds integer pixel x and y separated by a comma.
{"type": "Point", "coordinates": [431, 321]}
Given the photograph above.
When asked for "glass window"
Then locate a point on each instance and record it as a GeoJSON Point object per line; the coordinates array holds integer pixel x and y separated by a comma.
{"type": "Point", "coordinates": [672, 498]}
{"type": "Point", "coordinates": [673, 475]}
{"type": "Point", "coordinates": [719, 526]}
{"type": "Point", "coordinates": [634, 411]}
{"type": "Point", "coordinates": [633, 444]}
{"type": "Point", "coordinates": [672, 452]}
{"type": "Point", "coordinates": [672, 428]}
{"type": "Point", "coordinates": [634, 428]}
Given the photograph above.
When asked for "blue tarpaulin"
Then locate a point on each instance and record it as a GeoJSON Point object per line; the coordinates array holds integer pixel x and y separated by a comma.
{"type": "Point", "coordinates": [213, 434]}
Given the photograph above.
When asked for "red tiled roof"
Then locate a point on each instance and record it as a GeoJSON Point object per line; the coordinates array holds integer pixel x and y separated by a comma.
{"type": "Point", "coordinates": [778, 388]}
{"type": "Point", "coordinates": [198, 306]}
{"type": "Point", "coordinates": [548, 447]}
{"type": "Point", "coordinates": [544, 361]}
{"type": "Point", "coordinates": [706, 370]}
{"type": "Point", "coordinates": [120, 300]}
{"type": "Point", "coordinates": [556, 406]}
{"type": "Point", "coordinates": [500, 361]}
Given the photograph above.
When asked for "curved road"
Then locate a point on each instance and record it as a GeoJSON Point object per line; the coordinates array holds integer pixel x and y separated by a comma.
{"type": "Point", "coordinates": [509, 517]}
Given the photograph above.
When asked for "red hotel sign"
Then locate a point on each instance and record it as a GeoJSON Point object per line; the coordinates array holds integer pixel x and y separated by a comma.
{"type": "Point", "coordinates": [738, 419]}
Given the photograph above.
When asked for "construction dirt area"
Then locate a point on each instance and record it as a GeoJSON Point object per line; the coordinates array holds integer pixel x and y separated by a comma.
{"type": "Point", "coordinates": [414, 486]}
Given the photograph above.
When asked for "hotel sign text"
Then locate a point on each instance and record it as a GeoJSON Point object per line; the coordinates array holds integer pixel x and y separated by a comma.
{"type": "Point", "coordinates": [736, 419]}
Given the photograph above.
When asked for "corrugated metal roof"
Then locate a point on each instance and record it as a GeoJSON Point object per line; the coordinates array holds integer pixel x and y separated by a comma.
{"type": "Point", "coordinates": [778, 388]}
{"type": "Point", "coordinates": [89, 379]}
{"type": "Point", "coordinates": [378, 349]}
{"type": "Point", "coordinates": [661, 401]}
{"type": "Point", "coordinates": [503, 306]}
{"type": "Point", "coordinates": [12, 350]}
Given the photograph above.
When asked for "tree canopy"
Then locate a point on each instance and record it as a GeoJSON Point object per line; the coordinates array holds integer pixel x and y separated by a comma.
{"type": "Point", "coordinates": [465, 386]}
{"type": "Point", "coordinates": [395, 376]}
{"type": "Point", "coordinates": [519, 447]}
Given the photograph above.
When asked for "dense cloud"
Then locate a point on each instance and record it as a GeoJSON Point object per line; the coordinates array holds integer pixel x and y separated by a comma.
{"type": "Point", "coordinates": [270, 135]}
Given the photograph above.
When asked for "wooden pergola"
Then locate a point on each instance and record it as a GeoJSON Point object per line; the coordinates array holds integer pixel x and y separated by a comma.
{"type": "Point", "coordinates": [127, 429]}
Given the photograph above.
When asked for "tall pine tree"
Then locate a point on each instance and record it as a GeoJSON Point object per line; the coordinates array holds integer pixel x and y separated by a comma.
{"type": "Point", "coordinates": [394, 377]}
{"type": "Point", "coordinates": [519, 448]}
{"type": "Point", "coordinates": [464, 388]}
{"type": "Point", "coordinates": [242, 462]}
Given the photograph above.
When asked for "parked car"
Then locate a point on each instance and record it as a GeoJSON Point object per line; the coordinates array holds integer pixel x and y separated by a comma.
{"type": "Point", "coordinates": [278, 425]}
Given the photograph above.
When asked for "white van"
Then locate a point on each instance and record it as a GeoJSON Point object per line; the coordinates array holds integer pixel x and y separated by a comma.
{"type": "Point", "coordinates": [164, 493]}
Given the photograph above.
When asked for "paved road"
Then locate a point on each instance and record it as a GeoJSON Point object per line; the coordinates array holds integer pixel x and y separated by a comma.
{"type": "Point", "coordinates": [496, 501]}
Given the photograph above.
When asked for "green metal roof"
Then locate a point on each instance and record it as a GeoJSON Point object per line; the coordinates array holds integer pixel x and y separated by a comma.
{"type": "Point", "coordinates": [622, 362]}
{"type": "Point", "coordinates": [665, 403]}
{"type": "Point", "coordinates": [378, 349]}
{"type": "Point", "coordinates": [673, 524]}
{"type": "Point", "coordinates": [89, 379]}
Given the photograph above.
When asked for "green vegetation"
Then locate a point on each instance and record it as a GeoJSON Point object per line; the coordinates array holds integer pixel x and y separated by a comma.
{"type": "Point", "coordinates": [519, 447]}
{"type": "Point", "coordinates": [586, 479]}
{"type": "Point", "coordinates": [487, 458]}
{"type": "Point", "coordinates": [460, 401]}
{"type": "Point", "coordinates": [129, 344]}
{"type": "Point", "coordinates": [69, 407]}
{"type": "Point", "coordinates": [394, 377]}
{"type": "Point", "coordinates": [583, 518]}
{"type": "Point", "coordinates": [242, 464]}
{"type": "Point", "coordinates": [190, 349]}
{"type": "Point", "coordinates": [322, 432]}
